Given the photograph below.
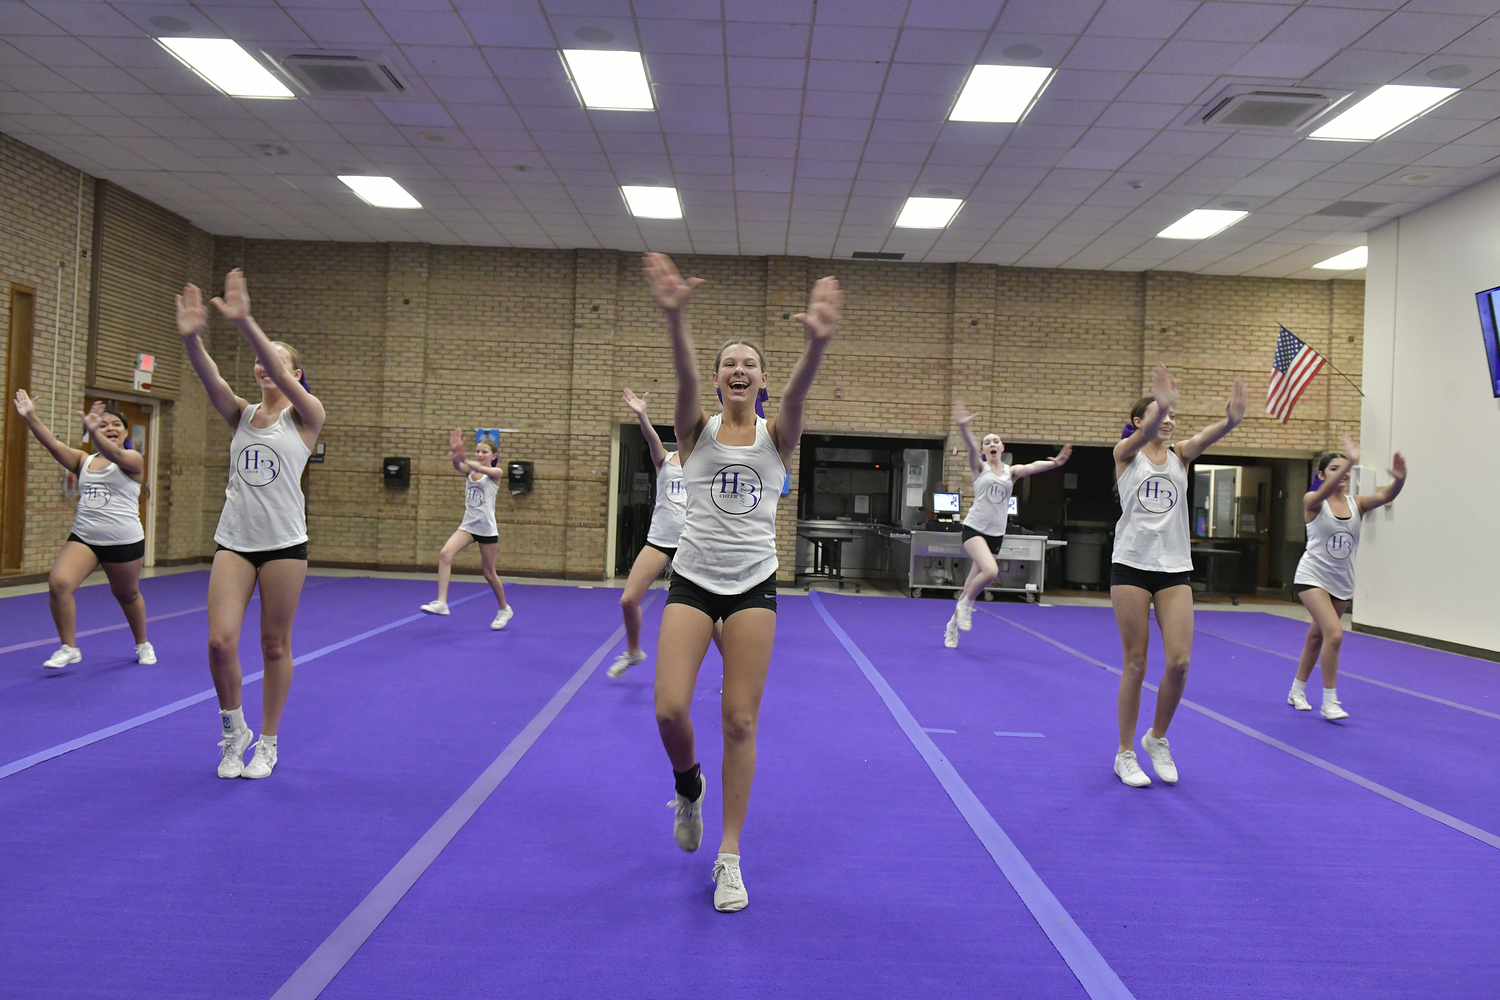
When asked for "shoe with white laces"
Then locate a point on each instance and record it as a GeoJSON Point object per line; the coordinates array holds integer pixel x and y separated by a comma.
{"type": "Point", "coordinates": [1161, 757]}
{"type": "Point", "coordinates": [263, 762]}
{"type": "Point", "coordinates": [65, 655]}
{"type": "Point", "coordinates": [687, 825]}
{"type": "Point", "coordinates": [1129, 770]}
{"type": "Point", "coordinates": [502, 617]}
{"type": "Point", "coordinates": [625, 661]}
{"type": "Point", "coordinates": [729, 886]}
{"type": "Point", "coordinates": [145, 654]}
{"type": "Point", "coordinates": [232, 764]}
{"type": "Point", "coordinates": [964, 615]}
{"type": "Point", "coordinates": [1332, 710]}
{"type": "Point", "coordinates": [950, 633]}
{"type": "Point", "coordinates": [436, 607]}
{"type": "Point", "coordinates": [1299, 701]}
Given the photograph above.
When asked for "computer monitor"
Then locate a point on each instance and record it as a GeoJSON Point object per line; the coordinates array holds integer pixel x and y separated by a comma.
{"type": "Point", "coordinates": [945, 503]}
{"type": "Point", "coordinates": [1013, 508]}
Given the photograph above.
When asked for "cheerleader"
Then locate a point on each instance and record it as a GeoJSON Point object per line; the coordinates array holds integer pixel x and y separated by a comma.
{"type": "Point", "coordinates": [482, 475]}
{"type": "Point", "coordinates": [1325, 575]}
{"type": "Point", "coordinates": [106, 530]}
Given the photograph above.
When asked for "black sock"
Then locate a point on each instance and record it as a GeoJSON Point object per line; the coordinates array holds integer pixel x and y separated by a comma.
{"type": "Point", "coordinates": [689, 784]}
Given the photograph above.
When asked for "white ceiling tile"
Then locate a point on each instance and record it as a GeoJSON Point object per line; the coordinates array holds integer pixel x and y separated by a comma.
{"type": "Point", "coordinates": [1141, 18]}
{"type": "Point", "coordinates": [493, 24]}
{"type": "Point", "coordinates": [1189, 57]}
{"type": "Point", "coordinates": [767, 39]}
{"type": "Point", "coordinates": [1407, 31]}
{"type": "Point", "coordinates": [1047, 16]}
{"type": "Point", "coordinates": [1354, 67]}
{"type": "Point", "coordinates": [699, 122]}
{"type": "Point", "coordinates": [866, 77]}
{"type": "Point", "coordinates": [786, 74]}
{"type": "Point", "coordinates": [765, 100]}
{"type": "Point", "coordinates": [840, 104]}
{"type": "Point", "coordinates": [1130, 55]}
{"type": "Point", "coordinates": [340, 28]}
{"type": "Point", "coordinates": [774, 126]}
{"type": "Point", "coordinates": [936, 46]}
{"type": "Point", "coordinates": [1278, 60]}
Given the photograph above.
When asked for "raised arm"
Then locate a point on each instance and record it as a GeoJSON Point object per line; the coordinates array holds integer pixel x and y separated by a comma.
{"type": "Point", "coordinates": [1369, 501]}
{"type": "Point", "coordinates": [1164, 391]}
{"type": "Point", "coordinates": [462, 463]}
{"type": "Point", "coordinates": [235, 307]}
{"type": "Point", "coordinates": [671, 292]}
{"type": "Point", "coordinates": [68, 458]}
{"type": "Point", "coordinates": [1045, 465]}
{"type": "Point", "coordinates": [1234, 412]}
{"type": "Point", "coordinates": [964, 418]}
{"type": "Point", "coordinates": [131, 462]}
{"type": "Point", "coordinates": [192, 319]}
{"type": "Point", "coordinates": [1335, 475]}
{"type": "Point", "coordinates": [637, 406]}
{"type": "Point", "coordinates": [820, 323]}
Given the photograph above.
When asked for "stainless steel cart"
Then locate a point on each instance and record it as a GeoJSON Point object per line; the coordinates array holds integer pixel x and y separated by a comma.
{"type": "Point", "coordinates": [938, 562]}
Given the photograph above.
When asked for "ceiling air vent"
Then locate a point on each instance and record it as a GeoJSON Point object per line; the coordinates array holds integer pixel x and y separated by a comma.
{"type": "Point", "coordinates": [1275, 110]}
{"type": "Point", "coordinates": [345, 74]}
{"type": "Point", "coordinates": [876, 255]}
{"type": "Point", "coordinates": [1352, 209]}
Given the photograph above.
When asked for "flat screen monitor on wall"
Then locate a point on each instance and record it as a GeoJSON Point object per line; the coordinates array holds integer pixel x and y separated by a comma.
{"type": "Point", "coordinates": [1487, 307]}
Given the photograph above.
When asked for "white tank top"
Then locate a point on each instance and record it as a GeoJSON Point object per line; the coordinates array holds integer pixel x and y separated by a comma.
{"type": "Point", "coordinates": [1152, 533]}
{"type": "Point", "coordinates": [990, 511]}
{"type": "Point", "coordinates": [479, 505]}
{"type": "Point", "coordinates": [1328, 560]}
{"type": "Point", "coordinates": [671, 506]}
{"type": "Point", "coordinates": [109, 506]}
{"type": "Point", "coordinates": [728, 542]}
{"type": "Point", "coordinates": [263, 504]}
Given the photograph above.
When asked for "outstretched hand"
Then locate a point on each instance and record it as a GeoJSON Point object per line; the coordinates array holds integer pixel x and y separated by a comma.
{"type": "Point", "coordinates": [961, 414]}
{"type": "Point", "coordinates": [1064, 455]}
{"type": "Point", "coordinates": [1164, 387]}
{"type": "Point", "coordinates": [670, 289]}
{"type": "Point", "coordinates": [1234, 410]}
{"type": "Point", "coordinates": [235, 303]}
{"type": "Point", "coordinates": [25, 405]}
{"type": "Point", "coordinates": [93, 418]}
{"type": "Point", "coordinates": [456, 444]}
{"type": "Point", "coordinates": [1352, 450]}
{"type": "Point", "coordinates": [822, 316]}
{"type": "Point", "coordinates": [192, 314]}
{"type": "Point", "coordinates": [636, 403]}
{"type": "Point", "coordinates": [1397, 470]}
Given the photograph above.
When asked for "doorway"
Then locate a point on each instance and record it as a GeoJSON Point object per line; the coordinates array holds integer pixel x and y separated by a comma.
{"type": "Point", "coordinates": [635, 492]}
{"type": "Point", "coordinates": [13, 450]}
{"type": "Point", "coordinates": [140, 418]}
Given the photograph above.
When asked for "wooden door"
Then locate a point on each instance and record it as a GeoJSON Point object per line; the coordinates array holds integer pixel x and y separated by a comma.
{"type": "Point", "coordinates": [16, 434]}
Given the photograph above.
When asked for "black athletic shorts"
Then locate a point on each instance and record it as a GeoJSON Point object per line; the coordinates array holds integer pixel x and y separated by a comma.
{"type": "Point", "coordinates": [721, 606]}
{"type": "Point", "coordinates": [129, 552]}
{"type": "Point", "coordinates": [993, 541]}
{"type": "Point", "coordinates": [669, 553]}
{"type": "Point", "coordinates": [1121, 575]}
{"type": "Point", "coordinates": [259, 559]}
{"type": "Point", "coordinates": [485, 539]}
{"type": "Point", "coordinates": [1301, 588]}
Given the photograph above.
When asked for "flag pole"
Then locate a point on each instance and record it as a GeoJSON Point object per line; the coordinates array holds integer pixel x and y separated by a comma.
{"type": "Point", "coordinates": [1330, 364]}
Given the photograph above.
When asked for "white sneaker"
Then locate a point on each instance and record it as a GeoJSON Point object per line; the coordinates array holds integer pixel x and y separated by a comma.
{"type": "Point", "coordinates": [65, 655]}
{"type": "Point", "coordinates": [1161, 757]}
{"type": "Point", "coordinates": [232, 765]}
{"type": "Point", "coordinates": [729, 887]}
{"type": "Point", "coordinates": [625, 661]}
{"type": "Point", "coordinates": [687, 825]}
{"type": "Point", "coordinates": [436, 607]}
{"type": "Point", "coordinates": [1298, 700]}
{"type": "Point", "coordinates": [263, 762]}
{"type": "Point", "coordinates": [1129, 770]}
{"type": "Point", "coordinates": [950, 633]}
{"type": "Point", "coordinates": [145, 653]}
{"type": "Point", "coordinates": [1333, 711]}
{"type": "Point", "coordinates": [965, 616]}
{"type": "Point", "coordinates": [502, 616]}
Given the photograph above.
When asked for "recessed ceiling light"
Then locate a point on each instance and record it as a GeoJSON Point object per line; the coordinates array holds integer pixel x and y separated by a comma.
{"type": "Point", "coordinates": [928, 213]}
{"type": "Point", "coordinates": [1383, 112]}
{"type": "Point", "coordinates": [1416, 178]}
{"type": "Point", "coordinates": [609, 81]}
{"type": "Point", "coordinates": [167, 22]}
{"type": "Point", "coordinates": [652, 202]}
{"type": "Point", "coordinates": [436, 138]}
{"type": "Point", "coordinates": [1349, 260]}
{"type": "Point", "coordinates": [1200, 224]}
{"type": "Point", "coordinates": [1021, 52]}
{"type": "Point", "coordinates": [1453, 72]}
{"type": "Point", "coordinates": [228, 67]}
{"type": "Point", "coordinates": [1000, 93]}
{"type": "Point", "coordinates": [381, 192]}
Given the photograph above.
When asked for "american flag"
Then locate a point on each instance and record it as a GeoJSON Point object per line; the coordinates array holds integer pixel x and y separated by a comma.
{"type": "Point", "coordinates": [1292, 369]}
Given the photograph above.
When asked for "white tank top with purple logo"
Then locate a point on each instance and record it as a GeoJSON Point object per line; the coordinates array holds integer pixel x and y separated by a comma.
{"type": "Point", "coordinates": [1152, 533]}
{"type": "Point", "coordinates": [990, 512]}
{"type": "Point", "coordinates": [671, 506]}
{"type": "Point", "coordinates": [264, 509]}
{"type": "Point", "coordinates": [109, 506]}
{"type": "Point", "coordinates": [1328, 560]}
{"type": "Point", "coordinates": [479, 505]}
{"type": "Point", "coordinates": [728, 542]}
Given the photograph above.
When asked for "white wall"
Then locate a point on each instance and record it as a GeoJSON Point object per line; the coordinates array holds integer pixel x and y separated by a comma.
{"type": "Point", "coordinates": [1430, 564]}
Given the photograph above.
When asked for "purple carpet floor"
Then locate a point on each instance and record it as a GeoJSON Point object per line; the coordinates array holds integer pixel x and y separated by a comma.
{"type": "Point", "coordinates": [459, 812]}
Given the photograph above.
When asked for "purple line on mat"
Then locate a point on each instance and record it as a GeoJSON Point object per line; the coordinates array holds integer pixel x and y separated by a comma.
{"type": "Point", "coordinates": [96, 631]}
{"type": "Point", "coordinates": [1483, 836]}
{"type": "Point", "coordinates": [330, 957]}
{"type": "Point", "coordinates": [202, 696]}
{"type": "Point", "coordinates": [1346, 673]}
{"type": "Point", "coordinates": [1034, 736]}
{"type": "Point", "coordinates": [927, 729]}
{"type": "Point", "coordinates": [1093, 972]}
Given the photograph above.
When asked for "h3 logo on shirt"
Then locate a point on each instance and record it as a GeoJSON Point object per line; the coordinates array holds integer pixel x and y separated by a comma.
{"type": "Point", "coordinates": [1157, 494]}
{"type": "Point", "coordinates": [258, 465]}
{"type": "Point", "coordinates": [677, 490]}
{"type": "Point", "coordinates": [735, 489]}
{"type": "Point", "coordinates": [94, 496]}
{"type": "Point", "coordinates": [1340, 545]}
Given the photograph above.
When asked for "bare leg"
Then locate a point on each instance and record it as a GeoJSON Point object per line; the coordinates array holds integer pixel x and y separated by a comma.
{"type": "Point", "coordinates": [124, 583]}
{"type": "Point", "coordinates": [456, 543]}
{"type": "Point", "coordinates": [680, 647]}
{"type": "Point", "coordinates": [1329, 633]}
{"type": "Point", "coordinates": [649, 563]}
{"type": "Point", "coordinates": [72, 566]}
{"type": "Point", "coordinates": [1133, 617]}
{"type": "Point", "coordinates": [280, 589]}
{"type": "Point", "coordinates": [748, 637]}
{"type": "Point", "coordinates": [231, 583]}
{"type": "Point", "coordinates": [982, 568]}
{"type": "Point", "coordinates": [487, 552]}
{"type": "Point", "coordinates": [1174, 616]}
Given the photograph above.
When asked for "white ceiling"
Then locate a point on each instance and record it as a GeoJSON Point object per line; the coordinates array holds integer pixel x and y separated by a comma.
{"type": "Point", "coordinates": [788, 126]}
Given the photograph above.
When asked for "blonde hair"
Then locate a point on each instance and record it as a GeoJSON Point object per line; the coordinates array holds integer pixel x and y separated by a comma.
{"type": "Point", "coordinates": [733, 343]}
{"type": "Point", "coordinates": [291, 353]}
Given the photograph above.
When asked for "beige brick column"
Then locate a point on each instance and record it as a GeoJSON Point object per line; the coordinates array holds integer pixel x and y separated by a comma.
{"type": "Point", "coordinates": [591, 408]}
{"type": "Point", "coordinates": [971, 373]}
{"type": "Point", "coordinates": [403, 358]}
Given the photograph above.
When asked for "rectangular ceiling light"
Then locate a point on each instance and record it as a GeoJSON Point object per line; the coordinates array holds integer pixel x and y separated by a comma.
{"type": "Point", "coordinates": [1000, 93]}
{"type": "Point", "coordinates": [1201, 223]}
{"type": "Point", "coordinates": [1349, 260]}
{"type": "Point", "coordinates": [381, 192]}
{"type": "Point", "coordinates": [928, 213]}
{"type": "Point", "coordinates": [1383, 112]}
{"type": "Point", "coordinates": [609, 81]}
{"type": "Point", "coordinates": [652, 202]}
{"type": "Point", "coordinates": [224, 64]}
